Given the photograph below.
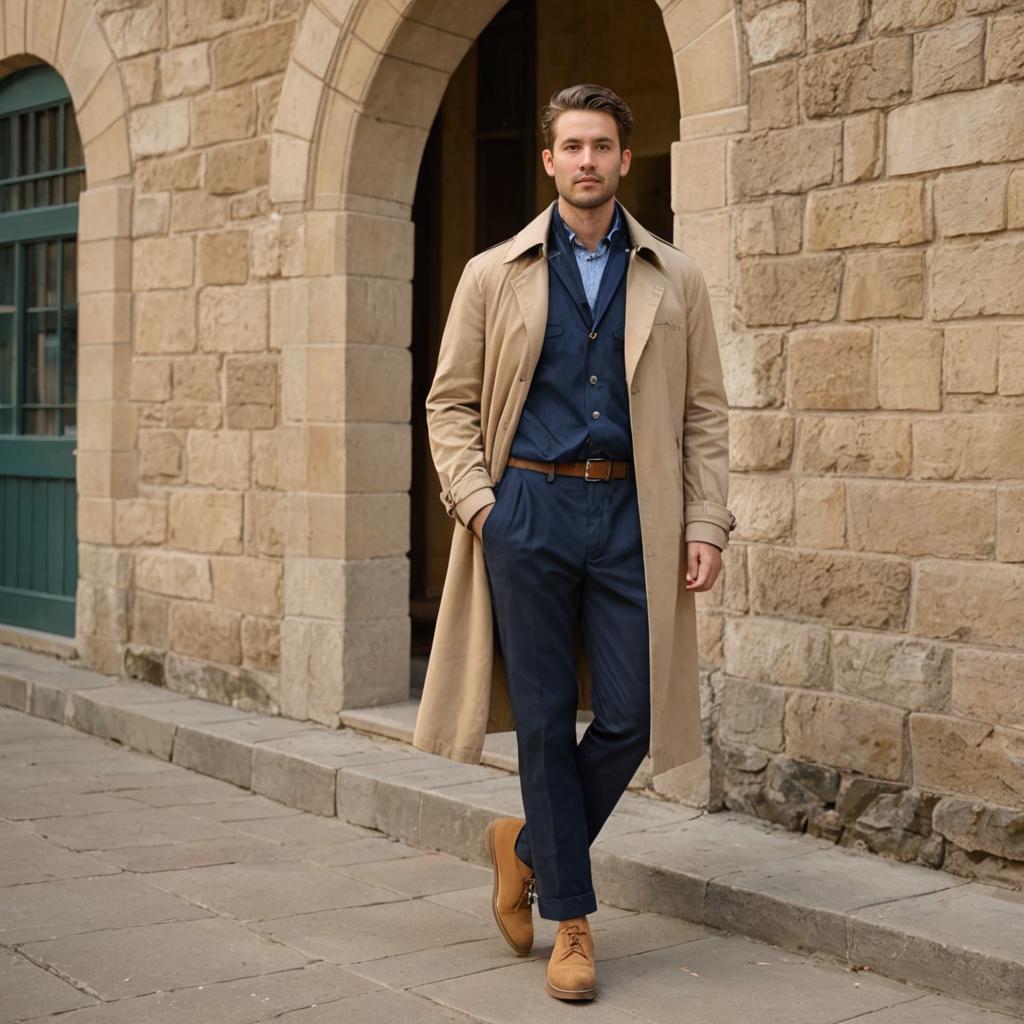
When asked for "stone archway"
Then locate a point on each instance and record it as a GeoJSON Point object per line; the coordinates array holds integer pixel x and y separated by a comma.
{"type": "Point", "coordinates": [68, 35]}
{"type": "Point", "coordinates": [360, 94]}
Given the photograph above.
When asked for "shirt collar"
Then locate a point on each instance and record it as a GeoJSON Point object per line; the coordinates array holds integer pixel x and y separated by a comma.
{"type": "Point", "coordinates": [603, 244]}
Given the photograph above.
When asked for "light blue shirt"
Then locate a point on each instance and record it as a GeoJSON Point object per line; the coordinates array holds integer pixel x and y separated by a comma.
{"type": "Point", "coordinates": [592, 264]}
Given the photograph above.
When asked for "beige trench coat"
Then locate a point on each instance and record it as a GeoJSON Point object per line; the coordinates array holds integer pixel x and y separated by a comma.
{"type": "Point", "coordinates": [679, 422]}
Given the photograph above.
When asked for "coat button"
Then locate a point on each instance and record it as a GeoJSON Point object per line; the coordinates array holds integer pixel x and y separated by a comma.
{"type": "Point", "coordinates": [595, 414]}
{"type": "Point", "coordinates": [593, 378]}
{"type": "Point", "coordinates": [592, 335]}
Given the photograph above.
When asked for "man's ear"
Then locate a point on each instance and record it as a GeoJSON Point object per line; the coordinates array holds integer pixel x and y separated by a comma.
{"type": "Point", "coordinates": [624, 165]}
{"type": "Point", "coordinates": [547, 159]}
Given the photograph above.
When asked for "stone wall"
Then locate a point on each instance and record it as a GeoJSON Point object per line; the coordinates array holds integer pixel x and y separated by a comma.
{"type": "Point", "coordinates": [866, 641]}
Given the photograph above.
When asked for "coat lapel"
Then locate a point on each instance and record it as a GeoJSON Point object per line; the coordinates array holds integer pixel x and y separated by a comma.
{"type": "Point", "coordinates": [645, 286]}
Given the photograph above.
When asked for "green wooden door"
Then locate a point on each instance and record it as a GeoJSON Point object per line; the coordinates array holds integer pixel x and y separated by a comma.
{"type": "Point", "coordinates": [41, 175]}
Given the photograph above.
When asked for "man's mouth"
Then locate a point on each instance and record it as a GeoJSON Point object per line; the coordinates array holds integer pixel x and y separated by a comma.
{"type": "Point", "coordinates": [588, 181]}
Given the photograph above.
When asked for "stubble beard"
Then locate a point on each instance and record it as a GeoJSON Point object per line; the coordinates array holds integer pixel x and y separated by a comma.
{"type": "Point", "coordinates": [587, 201]}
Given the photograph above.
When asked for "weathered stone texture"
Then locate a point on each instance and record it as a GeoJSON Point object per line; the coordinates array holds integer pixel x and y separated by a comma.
{"type": "Point", "coordinates": [831, 368]}
{"type": "Point", "coordinates": [853, 446]}
{"type": "Point", "coordinates": [902, 671]}
{"type": "Point", "coordinates": [776, 651]}
{"type": "Point", "coordinates": [882, 214]}
{"type": "Point", "coordinates": [789, 289]}
{"type": "Point", "coordinates": [909, 367]}
{"type": "Point", "coordinates": [983, 606]}
{"type": "Point", "coordinates": [832, 23]}
{"type": "Point", "coordinates": [983, 278]}
{"type": "Point", "coordinates": [949, 59]}
{"type": "Point", "coordinates": [883, 284]}
{"type": "Point", "coordinates": [785, 160]}
{"type": "Point", "coordinates": [871, 74]}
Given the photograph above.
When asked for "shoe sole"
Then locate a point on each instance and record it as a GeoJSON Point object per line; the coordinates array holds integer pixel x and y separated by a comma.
{"type": "Point", "coordinates": [489, 845]}
{"type": "Point", "coordinates": [570, 993]}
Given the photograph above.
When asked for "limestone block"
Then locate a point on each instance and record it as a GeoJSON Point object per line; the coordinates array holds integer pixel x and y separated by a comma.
{"type": "Point", "coordinates": [705, 238]}
{"type": "Point", "coordinates": [820, 517]}
{"type": "Point", "coordinates": [160, 128]}
{"type": "Point", "coordinates": [151, 380]}
{"type": "Point", "coordinates": [698, 175]}
{"type": "Point", "coordinates": [886, 213]}
{"type": "Point", "coordinates": [1005, 54]}
{"type": "Point", "coordinates": [193, 415]}
{"type": "Point", "coordinates": [184, 71]}
{"type": "Point", "coordinates": [196, 210]}
{"type": "Point", "coordinates": [237, 166]}
{"type": "Point", "coordinates": [776, 31]}
{"type": "Point", "coordinates": [356, 589]}
{"type": "Point", "coordinates": [233, 319]}
{"type": "Point", "coordinates": [102, 611]}
{"type": "Point", "coordinates": [763, 506]}
{"type": "Point", "coordinates": [976, 126]}
{"type": "Point", "coordinates": [109, 566]}
{"type": "Point", "coordinates": [165, 322]}
{"type": "Point", "coordinates": [149, 615]}
{"type": "Point", "coordinates": [783, 160]}
{"type": "Point", "coordinates": [978, 760]}
{"type": "Point", "coordinates": [872, 592]}
{"type": "Point", "coordinates": [278, 247]}
{"type": "Point", "coordinates": [901, 15]}
{"type": "Point", "coordinates": [140, 77]}
{"type": "Point", "coordinates": [95, 520]}
{"type": "Point", "coordinates": [909, 368]}
{"type": "Point", "coordinates": [883, 284]}
{"type": "Point", "coordinates": [358, 457]}
{"type": "Point", "coordinates": [169, 173]}
{"type": "Point", "coordinates": [984, 606]}
{"type": "Point", "coordinates": [251, 585]}
{"type": "Point", "coordinates": [981, 445]}
{"type": "Point", "coordinates": [261, 644]}
{"type": "Point", "coordinates": [789, 289]}
{"type": "Point", "coordinates": [374, 246]}
{"type": "Point", "coordinates": [253, 204]}
{"type": "Point", "coordinates": [268, 93]}
{"type": "Point", "coordinates": [250, 391]}
{"type": "Point", "coordinates": [774, 101]}
{"type": "Point", "coordinates": [290, 312]}
{"type": "Point", "coordinates": [105, 212]}
{"type": "Point", "coordinates": [971, 359]}
{"type": "Point", "coordinates": [971, 202]}
{"type": "Point", "coordinates": [860, 77]}
{"type": "Point", "coordinates": [981, 278]}
{"type": "Point", "coordinates": [224, 115]}
{"type": "Point", "coordinates": [162, 263]}
{"type": "Point", "coordinates": [775, 651]}
{"type": "Point", "coordinates": [289, 161]}
{"type": "Point", "coordinates": [949, 59]}
{"type": "Point", "coordinates": [1015, 200]}
{"type": "Point", "coordinates": [219, 458]}
{"type": "Point", "coordinates": [922, 519]}
{"type": "Point", "coordinates": [151, 214]}
{"type": "Point", "coordinates": [104, 265]}
{"type": "Point", "coordinates": [244, 56]}
{"type": "Point", "coordinates": [862, 146]}
{"type": "Point", "coordinates": [224, 257]}
{"type": "Point", "coordinates": [374, 310]}
{"type": "Point", "coordinates": [831, 368]}
{"type": "Point", "coordinates": [754, 367]}
{"type": "Point", "coordinates": [972, 825]}
{"type": "Point", "coordinates": [106, 426]}
{"type": "Point", "coordinates": [140, 521]}
{"type": "Point", "coordinates": [760, 441]}
{"type": "Point", "coordinates": [279, 459]}
{"type": "Point", "coordinates": [191, 20]}
{"type": "Point", "coordinates": [173, 574]}
{"type": "Point", "coordinates": [266, 522]}
{"type": "Point", "coordinates": [986, 685]}
{"type": "Point", "coordinates": [160, 455]}
{"type": "Point", "coordinates": [751, 714]}
{"type": "Point", "coordinates": [769, 229]}
{"type": "Point", "coordinates": [1011, 359]}
{"type": "Point", "coordinates": [833, 22]}
{"type": "Point", "coordinates": [196, 379]}
{"type": "Point", "coordinates": [206, 521]}
{"type": "Point", "coordinates": [845, 732]}
{"type": "Point", "coordinates": [357, 525]}
{"type": "Point", "coordinates": [135, 28]}
{"type": "Point", "coordinates": [206, 631]}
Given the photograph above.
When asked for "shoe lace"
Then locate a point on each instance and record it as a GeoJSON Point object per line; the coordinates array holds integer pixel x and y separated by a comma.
{"type": "Point", "coordinates": [529, 892]}
{"type": "Point", "coordinates": [574, 933]}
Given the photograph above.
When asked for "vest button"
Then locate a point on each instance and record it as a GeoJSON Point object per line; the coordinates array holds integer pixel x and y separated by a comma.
{"type": "Point", "coordinates": [595, 414]}
{"type": "Point", "coordinates": [593, 378]}
{"type": "Point", "coordinates": [592, 335]}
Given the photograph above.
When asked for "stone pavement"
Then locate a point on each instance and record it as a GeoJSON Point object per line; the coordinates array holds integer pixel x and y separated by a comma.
{"type": "Point", "coordinates": [134, 891]}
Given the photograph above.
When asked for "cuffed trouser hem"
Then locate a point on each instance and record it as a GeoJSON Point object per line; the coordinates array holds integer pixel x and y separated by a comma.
{"type": "Point", "coordinates": [569, 906]}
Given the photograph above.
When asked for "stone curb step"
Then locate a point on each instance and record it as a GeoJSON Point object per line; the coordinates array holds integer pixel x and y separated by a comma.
{"type": "Point", "coordinates": [727, 871]}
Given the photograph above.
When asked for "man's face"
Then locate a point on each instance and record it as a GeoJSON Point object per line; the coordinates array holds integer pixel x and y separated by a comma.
{"type": "Point", "coordinates": [586, 161]}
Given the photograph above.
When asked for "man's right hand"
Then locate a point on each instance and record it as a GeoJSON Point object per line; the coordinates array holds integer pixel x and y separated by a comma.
{"type": "Point", "coordinates": [476, 524]}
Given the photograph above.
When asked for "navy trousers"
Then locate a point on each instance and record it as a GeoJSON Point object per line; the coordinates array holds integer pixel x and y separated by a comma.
{"type": "Point", "coordinates": [560, 551]}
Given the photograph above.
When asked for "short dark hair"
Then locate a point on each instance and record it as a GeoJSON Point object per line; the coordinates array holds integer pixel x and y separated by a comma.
{"type": "Point", "coordinates": [586, 97]}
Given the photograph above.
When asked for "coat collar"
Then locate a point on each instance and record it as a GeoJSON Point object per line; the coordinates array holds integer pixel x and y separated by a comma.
{"type": "Point", "coordinates": [536, 233]}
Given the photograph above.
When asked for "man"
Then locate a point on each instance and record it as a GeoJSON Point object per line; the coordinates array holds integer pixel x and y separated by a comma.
{"type": "Point", "coordinates": [579, 428]}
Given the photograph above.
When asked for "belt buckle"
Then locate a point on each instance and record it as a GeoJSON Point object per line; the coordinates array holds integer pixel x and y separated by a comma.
{"type": "Point", "coordinates": [595, 479]}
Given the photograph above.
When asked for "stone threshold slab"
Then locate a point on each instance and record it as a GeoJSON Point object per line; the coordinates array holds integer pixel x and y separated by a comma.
{"type": "Point", "coordinates": [907, 922]}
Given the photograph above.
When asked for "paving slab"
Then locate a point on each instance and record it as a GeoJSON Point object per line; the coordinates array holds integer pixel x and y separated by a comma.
{"type": "Point", "coordinates": [421, 875]}
{"type": "Point", "coordinates": [121, 962]}
{"type": "Point", "coordinates": [28, 990]}
{"type": "Point", "coordinates": [47, 910]}
{"type": "Point", "coordinates": [195, 854]}
{"type": "Point", "coordinates": [243, 807]}
{"type": "Point", "coordinates": [25, 857]}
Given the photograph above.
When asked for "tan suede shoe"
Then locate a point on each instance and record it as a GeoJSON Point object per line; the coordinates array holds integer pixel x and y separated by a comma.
{"type": "Point", "coordinates": [514, 884]}
{"type": "Point", "coordinates": [571, 973]}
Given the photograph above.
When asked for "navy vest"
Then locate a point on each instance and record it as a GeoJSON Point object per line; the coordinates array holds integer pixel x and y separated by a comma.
{"type": "Point", "coordinates": [578, 404]}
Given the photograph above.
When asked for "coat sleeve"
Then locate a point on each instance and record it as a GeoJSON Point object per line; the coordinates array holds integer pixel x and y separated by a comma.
{"type": "Point", "coordinates": [705, 430]}
{"type": "Point", "coordinates": [453, 405]}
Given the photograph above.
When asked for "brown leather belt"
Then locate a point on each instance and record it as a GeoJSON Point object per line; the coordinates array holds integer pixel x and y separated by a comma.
{"type": "Point", "coordinates": [608, 469]}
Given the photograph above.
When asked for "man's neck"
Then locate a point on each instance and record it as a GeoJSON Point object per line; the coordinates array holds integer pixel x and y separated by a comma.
{"type": "Point", "coordinates": [591, 224]}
